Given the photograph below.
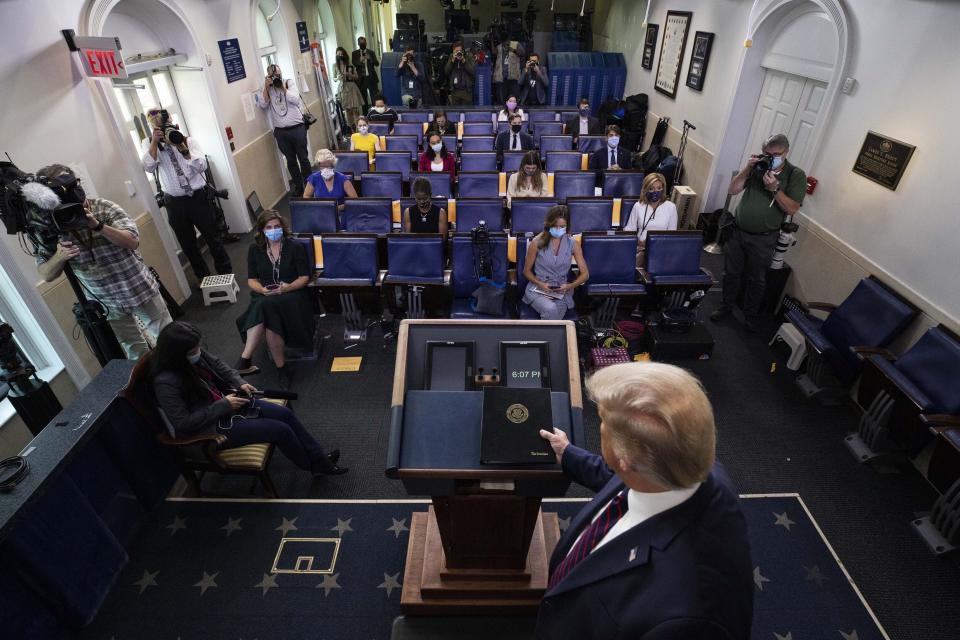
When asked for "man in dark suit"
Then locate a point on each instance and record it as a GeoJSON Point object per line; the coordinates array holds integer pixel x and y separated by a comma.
{"type": "Point", "coordinates": [513, 140]}
{"type": "Point", "coordinates": [662, 551]}
{"type": "Point", "coordinates": [366, 63]}
{"type": "Point", "coordinates": [584, 124]}
{"type": "Point", "coordinates": [612, 157]}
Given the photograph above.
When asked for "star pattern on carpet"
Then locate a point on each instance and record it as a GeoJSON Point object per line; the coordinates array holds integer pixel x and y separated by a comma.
{"type": "Point", "coordinates": [758, 578]}
{"type": "Point", "coordinates": [390, 583]}
{"type": "Point", "coordinates": [783, 520]}
{"type": "Point", "coordinates": [329, 583]}
{"type": "Point", "coordinates": [177, 524]}
{"type": "Point", "coordinates": [853, 635]}
{"type": "Point", "coordinates": [269, 582]}
{"type": "Point", "coordinates": [208, 581]}
{"type": "Point", "coordinates": [233, 524]}
{"type": "Point", "coordinates": [398, 527]}
{"type": "Point", "coordinates": [564, 523]}
{"type": "Point", "coordinates": [789, 636]}
{"type": "Point", "coordinates": [342, 527]}
{"type": "Point", "coordinates": [148, 580]}
{"type": "Point", "coordinates": [287, 526]}
{"type": "Point", "coordinates": [814, 575]}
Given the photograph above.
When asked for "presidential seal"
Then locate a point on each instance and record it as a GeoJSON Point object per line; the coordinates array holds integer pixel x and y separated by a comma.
{"type": "Point", "coordinates": [517, 413]}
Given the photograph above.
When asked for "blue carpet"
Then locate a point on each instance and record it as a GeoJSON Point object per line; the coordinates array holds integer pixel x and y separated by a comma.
{"type": "Point", "coordinates": [205, 569]}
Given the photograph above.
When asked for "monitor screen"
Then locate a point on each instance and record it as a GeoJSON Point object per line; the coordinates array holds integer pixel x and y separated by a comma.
{"type": "Point", "coordinates": [525, 364]}
{"type": "Point", "coordinates": [449, 366]}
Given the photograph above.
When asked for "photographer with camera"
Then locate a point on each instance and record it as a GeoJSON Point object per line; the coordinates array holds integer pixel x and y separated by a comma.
{"type": "Point", "coordinates": [411, 74]}
{"type": "Point", "coordinates": [459, 71]}
{"type": "Point", "coordinates": [534, 83]}
{"type": "Point", "coordinates": [285, 108]}
{"type": "Point", "coordinates": [773, 190]}
{"type": "Point", "coordinates": [180, 165]}
{"type": "Point", "coordinates": [366, 63]}
{"type": "Point", "coordinates": [101, 248]}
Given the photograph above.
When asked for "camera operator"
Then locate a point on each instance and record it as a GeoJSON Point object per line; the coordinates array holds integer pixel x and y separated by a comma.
{"type": "Point", "coordinates": [459, 71]}
{"type": "Point", "coordinates": [105, 260]}
{"type": "Point", "coordinates": [366, 63]}
{"type": "Point", "coordinates": [181, 165]}
{"type": "Point", "coordinates": [773, 190]}
{"type": "Point", "coordinates": [534, 83]}
{"type": "Point", "coordinates": [285, 107]}
{"type": "Point", "coordinates": [506, 68]}
{"type": "Point", "coordinates": [411, 74]}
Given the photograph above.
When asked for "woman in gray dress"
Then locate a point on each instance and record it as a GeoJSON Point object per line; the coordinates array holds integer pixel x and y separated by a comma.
{"type": "Point", "coordinates": [547, 265]}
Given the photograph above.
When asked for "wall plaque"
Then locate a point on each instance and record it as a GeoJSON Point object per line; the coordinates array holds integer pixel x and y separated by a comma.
{"type": "Point", "coordinates": [675, 33]}
{"type": "Point", "coordinates": [883, 159]}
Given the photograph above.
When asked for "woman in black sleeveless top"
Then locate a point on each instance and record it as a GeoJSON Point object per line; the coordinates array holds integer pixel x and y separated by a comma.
{"type": "Point", "coordinates": [424, 216]}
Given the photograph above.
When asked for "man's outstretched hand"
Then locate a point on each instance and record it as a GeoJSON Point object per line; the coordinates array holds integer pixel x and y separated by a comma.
{"type": "Point", "coordinates": [558, 441]}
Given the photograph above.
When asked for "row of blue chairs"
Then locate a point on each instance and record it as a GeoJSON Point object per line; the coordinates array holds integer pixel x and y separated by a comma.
{"type": "Point", "coordinates": [357, 162]}
{"type": "Point", "coordinates": [545, 143]}
{"type": "Point", "coordinates": [487, 128]}
{"type": "Point", "coordinates": [485, 115]}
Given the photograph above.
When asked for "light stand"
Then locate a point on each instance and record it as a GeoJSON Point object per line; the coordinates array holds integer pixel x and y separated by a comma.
{"type": "Point", "coordinates": [92, 318]}
{"type": "Point", "coordinates": [31, 397]}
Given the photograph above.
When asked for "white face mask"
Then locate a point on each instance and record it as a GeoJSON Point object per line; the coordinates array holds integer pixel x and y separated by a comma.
{"type": "Point", "coordinates": [193, 358]}
{"type": "Point", "coordinates": [326, 173]}
{"type": "Point", "coordinates": [437, 147]}
{"type": "Point", "coordinates": [362, 128]}
{"type": "Point", "coordinates": [379, 109]}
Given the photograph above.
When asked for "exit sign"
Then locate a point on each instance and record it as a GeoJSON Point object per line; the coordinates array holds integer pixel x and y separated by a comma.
{"type": "Point", "coordinates": [101, 56]}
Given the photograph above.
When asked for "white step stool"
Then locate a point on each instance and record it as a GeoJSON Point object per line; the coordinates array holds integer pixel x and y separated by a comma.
{"type": "Point", "coordinates": [219, 288]}
{"type": "Point", "coordinates": [795, 340]}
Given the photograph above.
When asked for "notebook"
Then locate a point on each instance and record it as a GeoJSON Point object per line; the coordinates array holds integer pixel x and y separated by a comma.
{"type": "Point", "coordinates": [512, 419]}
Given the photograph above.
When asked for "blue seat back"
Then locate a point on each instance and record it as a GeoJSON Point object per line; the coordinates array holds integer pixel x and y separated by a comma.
{"type": "Point", "coordinates": [574, 184]}
{"type": "Point", "coordinates": [470, 211]}
{"type": "Point", "coordinates": [381, 184]}
{"type": "Point", "coordinates": [618, 184]}
{"type": "Point", "coordinates": [367, 215]}
{"type": "Point", "coordinates": [626, 206]}
{"type": "Point", "coordinates": [463, 274]}
{"type": "Point", "coordinates": [933, 365]}
{"type": "Point", "coordinates": [672, 253]}
{"type": "Point", "coordinates": [612, 259]}
{"type": "Point", "coordinates": [307, 243]}
{"type": "Point", "coordinates": [871, 316]}
{"type": "Point", "coordinates": [409, 129]}
{"type": "Point", "coordinates": [502, 126]}
{"type": "Point", "coordinates": [591, 214]}
{"type": "Point", "coordinates": [478, 128]}
{"type": "Point", "coordinates": [348, 257]}
{"type": "Point", "coordinates": [379, 128]}
{"type": "Point", "coordinates": [511, 161]}
{"type": "Point", "coordinates": [566, 116]}
{"type": "Point", "coordinates": [528, 214]}
{"type": "Point", "coordinates": [539, 115]}
{"type": "Point", "coordinates": [478, 185]}
{"type": "Point", "coordinates": [547, 129]}
{"type": "Point", "coordinates": [404, 143]}
{"type": "Point", "coordinates": [452, 116]}
{"type": "Point", "coordinates": [451, 142]}
{"type": "Point", "coordinates": [313, 216]}
{"type": "Point", "coordinates": [478, 161]}
{"type": "Point", "coordinates": [563, 161]}
{"type": "Point", "coordinates": [478, 116]}
{"type": "Point", "coordinates": [556, 143]}
{"type": "Point", "coordinates": [394, 161]}
{"type": "Point", "coordinates": [415, 256]}
{"type": "Point", "coordinates": [415, 116]}
{"type": "Point", "coordinates": [477, 143]}
{"type": "Point", "coordinates": [439, 182]}
{"type": "Point", "coordinates": [589, 144]}
{"type": "Point", "coordinates": [355, 162]}
{"type": "Point", "coordinates": [522, 244]}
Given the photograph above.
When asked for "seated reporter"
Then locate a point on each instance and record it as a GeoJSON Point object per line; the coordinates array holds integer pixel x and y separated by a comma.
{"type": "Point", "coordinates": [281, 308]}
{"type": "Point", "coordinates": [530, 181]}
{"type": "Point", "coordinates": [436, 157]}
{"type": "Point", "coordinates": [199, 393]}
{"type": "Point", "coordinates": [380, 112]}
{"type": "Point", "coordinates": [441, 124]}
{"type": "Point", "coordinates": [661, 552]}
{"type": "Point", "coordinates": [363, 140]}
{"type": "Point", "coordinates": [584, 124]}
{"type": "Point", "coordinates": [652, 211]}
{"type": "Point", "coordinates": [327, 183]}
{"type": "Point", "coordinates": [547, 265]}
{"type": "Point", "coordinates": [611, 158]}
{"type": "Point", "coordinates": [513, 140]}
{"type": "Point", "coordinates": [425, 217]}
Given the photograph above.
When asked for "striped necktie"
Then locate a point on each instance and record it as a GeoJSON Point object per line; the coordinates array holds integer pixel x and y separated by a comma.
{"type": "Point", "coordinates": [591, 537]}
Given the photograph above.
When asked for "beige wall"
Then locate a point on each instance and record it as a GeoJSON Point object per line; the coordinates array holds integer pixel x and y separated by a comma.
{"type": "Point", "coordinates": [14, 434]}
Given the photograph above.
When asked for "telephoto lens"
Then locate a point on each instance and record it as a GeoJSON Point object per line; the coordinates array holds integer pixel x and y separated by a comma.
{"type": "Point", "coordinates": [173, 136]}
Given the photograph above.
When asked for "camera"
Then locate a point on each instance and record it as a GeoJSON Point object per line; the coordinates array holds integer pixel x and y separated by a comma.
{"type": "Point", "coordinates": [43, 209]}
{"type": "Point", "coordinates": [171, 132]}
{"type": "Point", "coordinates": [480, 239]}
{"type": "Point", "coordinates": [277, 81]}
{"type": "Point", "coordinates": [763, 164]}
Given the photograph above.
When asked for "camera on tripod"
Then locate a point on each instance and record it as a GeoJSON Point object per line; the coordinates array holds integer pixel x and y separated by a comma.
{"type": "Point", "coordinates": [480, 239]}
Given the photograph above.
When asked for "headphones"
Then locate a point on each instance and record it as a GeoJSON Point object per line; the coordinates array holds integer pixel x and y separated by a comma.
{"type": "Point", "coordinates": [611, 339]}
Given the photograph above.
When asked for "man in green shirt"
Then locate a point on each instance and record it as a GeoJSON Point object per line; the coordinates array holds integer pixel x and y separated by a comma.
{"type": "Point", "coordinates": [767, 198]}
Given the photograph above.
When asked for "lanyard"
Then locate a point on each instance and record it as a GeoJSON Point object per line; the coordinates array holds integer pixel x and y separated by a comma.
{"type": "Point", "coordinates": [647, 220]}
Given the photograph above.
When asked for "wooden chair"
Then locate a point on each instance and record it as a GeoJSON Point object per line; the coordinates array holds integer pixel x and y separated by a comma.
{"type": "Point", "coordinates": [199, 453]}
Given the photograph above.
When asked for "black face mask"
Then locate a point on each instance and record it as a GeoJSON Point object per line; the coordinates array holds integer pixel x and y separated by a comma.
{"type": "Point", "coordinates": [516, 128]}
{"type": "Point", "coordinates": [363, 46]}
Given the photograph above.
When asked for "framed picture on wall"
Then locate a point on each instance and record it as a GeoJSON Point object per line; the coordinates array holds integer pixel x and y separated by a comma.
{"type": "Point", "coordinates": [671, 51]}
{"type": "Point", "coordinates": [650, 46]}
{"type": "Point", "coordinates": [702, 43]}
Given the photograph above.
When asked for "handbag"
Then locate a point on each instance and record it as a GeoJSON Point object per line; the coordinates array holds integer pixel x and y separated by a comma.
{"type": "Point", "coordinates": [308, 118]}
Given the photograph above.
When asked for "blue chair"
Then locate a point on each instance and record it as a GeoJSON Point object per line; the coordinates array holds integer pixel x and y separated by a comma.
{"type": "Point", "coordinates": [415, 116]}
{"type": "Point", "coordinates": [574, 184]}
{"type": "Point", "coordinates": [406, 203]}
{"type": "Point", "coordinates": [394, 161]}
{"type": "Point", "coordinates": [626, 206]}
{"type": "Point", "coordinates": [525, 311]}
{"type": "Point", "coordinates": [451, 142]}
{"type": "Point", "coordinates": [589, 144]}
{"type": "Point", "coordinates": [452, 116]}
{"type": "Point", "coordinates": [381, 184]}
{"type": "Point", "coordinates": [477, 143]}
{"type": "Point", "coordinates": [355, 162]}
{"type": "Point", "coordinates": [439, 182]}
{"type": "Point", "coordinates": [563, 161]}
{"type": "Point", "coordinates": [547, 129]}
{"type": "Point", "coordinates": [617, 184]}
{"type": "Point", "coordinates": [379, 128]}
{"type": "Point", "coordinates": [478, 116]}
{"type": "Point", "coordinates": [349, 279]}
{"type": "Point", "coordinates": [367, 215]}
{"type": "Point", "coordinates": [409, 129]}
{"type": "Point", "coordinates": [538, 115]}
{"type": "Point", "coordinates": [470, 211]}
{"type": "Point", "coordinates": [478, 185]}
{"type": "Point", "coordinates": [555, 143]}
{"type": "Point", "coordinates": [316, 217]}
{"type": "Point", "coordinates": [415, 262]}
{"type": "Point", "coordinates": [404, 143]}
{"type": "Point", "coordinates": [478, 161]}
{"type": "Point", "coordinates": [307, 243]}
{"type": "Point", "coordinates": [871, 316]}
{"type": "Point", "coordinates": [463, 274]}
{"type": "Point", "coordinates": [672, 272]}
{"type": "Point", "coordinates": [527, 214]}
{"type": "Point", "coordinates": [612, 259]}
{"type": "Point", "coordinates": [566, 116]}
{"type": "Point", "coordinates": [477, 128]}
{"type": "Point", "coordinates": [591, 214]}
{"type": "Point", "coordinates": [501, 127]}
{"type": "Point", "coordinates": [511, 161]}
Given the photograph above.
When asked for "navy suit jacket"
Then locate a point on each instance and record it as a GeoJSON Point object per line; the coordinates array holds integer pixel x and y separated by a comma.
{"type": "Point", "coordinates": [600, 159]}
{"type": "Point", "coordinates": [502, 143]}
{"type": "Point", "coordinates": [685, 574]}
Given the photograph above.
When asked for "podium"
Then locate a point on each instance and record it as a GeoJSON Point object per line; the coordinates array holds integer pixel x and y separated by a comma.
{"type": "Point", "coordinates": [484, 546]}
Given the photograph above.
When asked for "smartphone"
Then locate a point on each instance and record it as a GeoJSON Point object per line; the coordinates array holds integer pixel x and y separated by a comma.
{"type": "Point", "coordinates": [271, 287]}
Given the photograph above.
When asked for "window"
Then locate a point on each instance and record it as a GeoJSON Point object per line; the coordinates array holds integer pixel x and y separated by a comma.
{"type": "Point", "coordinates": [266, 50]}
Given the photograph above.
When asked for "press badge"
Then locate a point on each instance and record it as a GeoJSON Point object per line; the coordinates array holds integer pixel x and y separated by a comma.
{"type": "Point", "coordinates": [456, 81]}
{"type": "Point", "coordinates": [410, 84]}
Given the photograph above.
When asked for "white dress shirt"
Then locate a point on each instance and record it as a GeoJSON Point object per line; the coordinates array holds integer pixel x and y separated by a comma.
{"type": "Point", "coordinates": [192, 167]}
{"type": "Point", "coordinates": [584, 126]}
{"type": "Point", "coordinates": [284, 108]}
{"type": "Point", "coordinates": [644, 218]}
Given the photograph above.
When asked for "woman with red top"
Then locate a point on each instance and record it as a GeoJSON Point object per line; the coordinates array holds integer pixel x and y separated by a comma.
{"type": "Point", "coordinates": [437, 158]}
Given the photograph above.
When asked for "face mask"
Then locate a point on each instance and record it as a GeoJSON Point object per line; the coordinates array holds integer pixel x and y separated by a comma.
{"type": "Point", "coordinates": [558, 232]}
{"type": "Point", "coordinates": [193, 358]}
{"type": "Point", "coordinates": [273, 235]}
{"type": "Point", "coordinates": [511, 105]}
{"type": "Point", "coordinates": [530, 172]}
{"type": "Point", "coordinates": [516, 128]}
{"type": "Point", "coordinates": [437, 147]}
{"type": "Point", "coordinates": [584, 111]}
{"type": "Point", "coordinates": [379, 109]}
{"type": "Point", "coordinates": [326, 173]}
{"type": "Point", "coordinates": [654, 196]}
{"type": "Point", "coordinates": [613, 141]}
{"type": "Point", "coordinates": [777, 162]}
{"type": "Point", "coordinates": [362, 128]}
{"type": "Point", "coordinates": [363, 46]}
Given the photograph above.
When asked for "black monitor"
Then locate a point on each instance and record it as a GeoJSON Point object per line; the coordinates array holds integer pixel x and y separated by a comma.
{"type": "Point", "coordinates": [449, 366]}
{"type": "Point", "coordinates": [525, 364]}
{"type": "Point", "coordinates": [407, 21]}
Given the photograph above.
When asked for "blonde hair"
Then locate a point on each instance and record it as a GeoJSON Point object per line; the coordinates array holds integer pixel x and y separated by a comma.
{"type": "Point", "coordinates": [658, 419]}
{"type": "Point", "coordinates": [325, 155]}
{"type": "Point", "coordinates": [648, 183]}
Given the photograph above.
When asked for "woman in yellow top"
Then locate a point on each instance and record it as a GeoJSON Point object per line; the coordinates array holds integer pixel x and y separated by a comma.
{"type": "Point", "coordinates": [363, 140]}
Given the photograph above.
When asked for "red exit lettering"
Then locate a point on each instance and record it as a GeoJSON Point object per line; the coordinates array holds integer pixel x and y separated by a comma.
{"type": "Point", "coordinates": [103, 63]}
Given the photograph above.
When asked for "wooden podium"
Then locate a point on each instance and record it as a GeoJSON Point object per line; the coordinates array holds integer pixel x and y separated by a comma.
{"type": "Point", "coordinates": [483, 547]}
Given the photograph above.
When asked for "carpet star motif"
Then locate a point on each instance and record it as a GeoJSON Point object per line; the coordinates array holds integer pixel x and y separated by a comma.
{"type": "Point", "coordinates": [390, 583]}
{"type": "Point", "coordinates": [783, 520]}
{"type": "Point", "coordinates": [758, 578]}
{"type": "Point", "coordinates": [178, 523]}
{"type": "Point", "coordinates": [329, 583]}
{"type": "Point", "coordinates": [208, 582]}
{"type": "Point", "coordinates": [564, 523]}
{"type": "Point", "coordinates": [814, 575]}
{"type": "Point", "coordinates": [269, 582]}
{"type": "Point", "coordinates": [287, 526]}
{"type": "Point", "coordinates": [398, 527]}
{"type": "Point", "coordinates": [342, 527]}
{"type": "Point", "coordinates": [789, 636]}
{"type": "Point", "coordinates": [849, 636]}
{"type": "Point", "coordinates": [148, 580]}
{"type": "Point", "coordinates": [232, 525]}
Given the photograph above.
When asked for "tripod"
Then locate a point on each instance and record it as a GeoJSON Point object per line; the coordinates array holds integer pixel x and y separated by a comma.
{"type": "Point", "coordinates": [92, 318]}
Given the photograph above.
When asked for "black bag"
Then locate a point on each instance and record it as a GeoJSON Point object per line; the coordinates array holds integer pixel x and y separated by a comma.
{"type": "Point", "coordinates": [308, 118]}
{"type": "Point", "coordinates": [488, 297]}
{"type": "Point", "coordinates": [651, 158]}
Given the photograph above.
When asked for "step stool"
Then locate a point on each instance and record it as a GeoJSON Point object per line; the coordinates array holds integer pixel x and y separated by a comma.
{"type": "Point", "coordinates": [790, 335]}
{"type": "Point", "coordinates": [219, 288]}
